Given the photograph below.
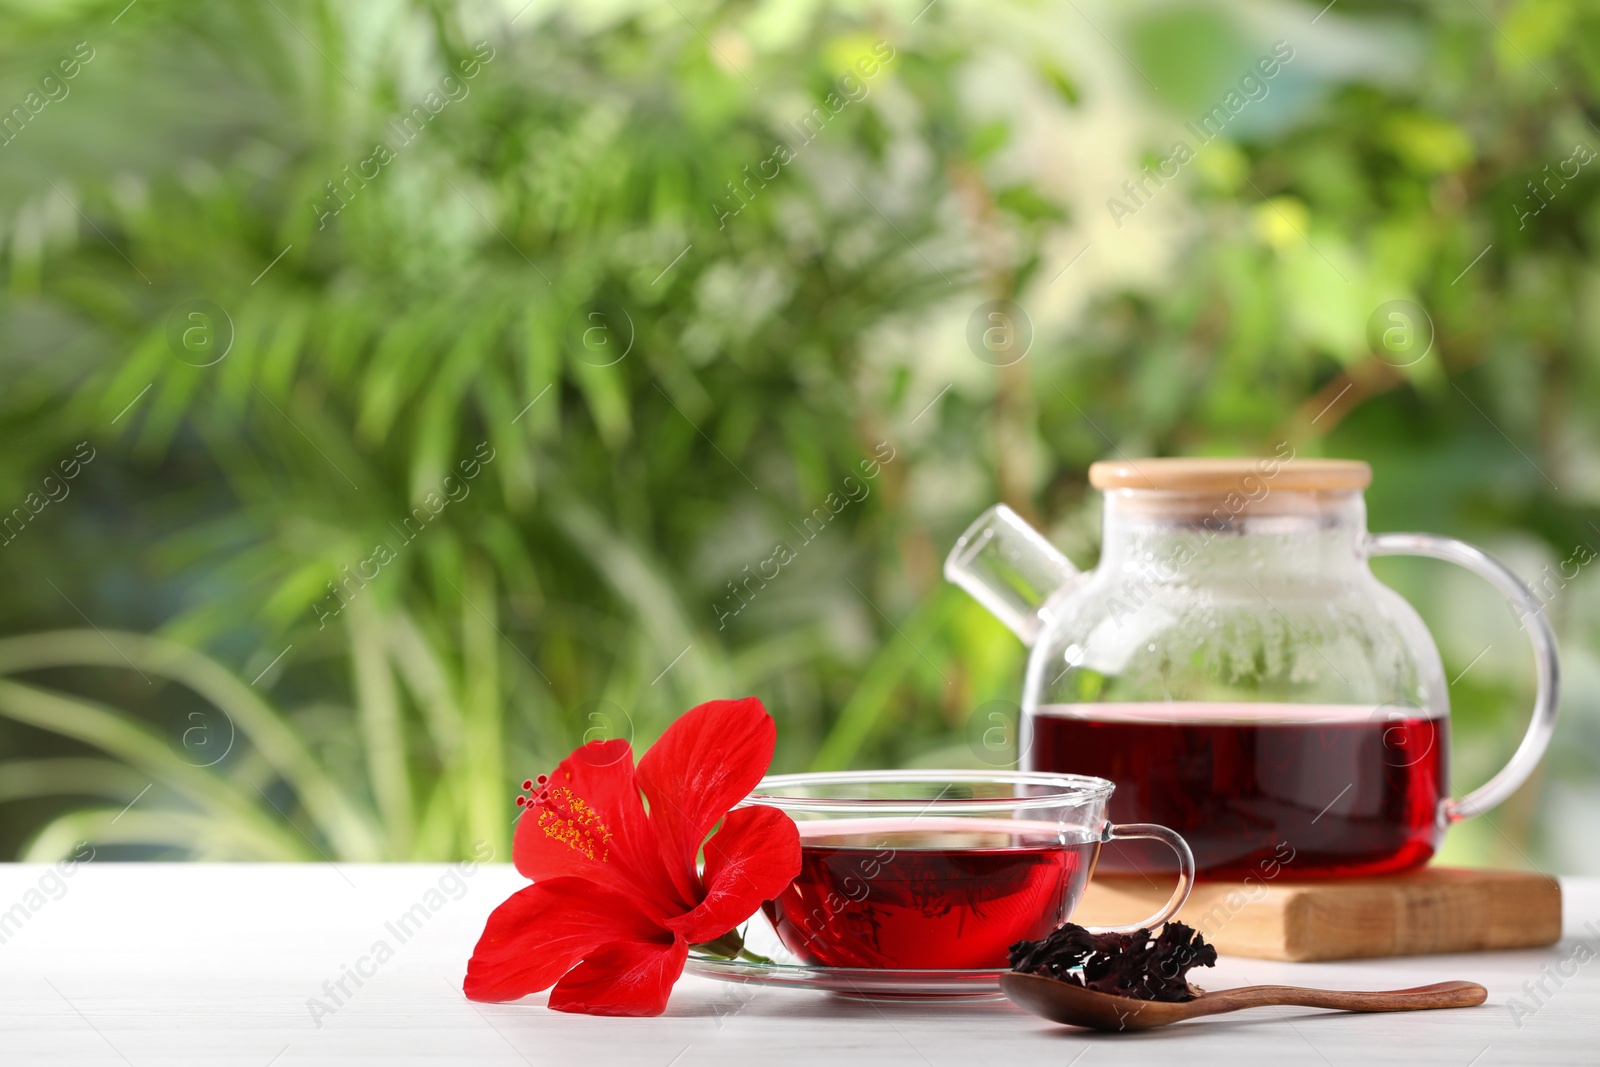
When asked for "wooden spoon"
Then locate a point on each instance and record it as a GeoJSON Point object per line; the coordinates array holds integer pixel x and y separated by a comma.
{"type": "Point", "coordinates": [1064, 1002]}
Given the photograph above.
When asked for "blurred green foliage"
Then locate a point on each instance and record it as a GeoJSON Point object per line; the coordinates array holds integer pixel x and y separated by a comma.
{"type": "Point", "coordinates": [382, 322]}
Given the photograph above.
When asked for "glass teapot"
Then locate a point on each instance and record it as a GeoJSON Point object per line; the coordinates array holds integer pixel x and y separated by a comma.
{"type": "Point", "coordinates": [1236, 669]}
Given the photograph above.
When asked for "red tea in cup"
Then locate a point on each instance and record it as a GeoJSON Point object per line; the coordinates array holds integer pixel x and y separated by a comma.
{"type": "Point", "coordinates": [941, 870]}
{"type": "Point", "coordinates": [910, 894]}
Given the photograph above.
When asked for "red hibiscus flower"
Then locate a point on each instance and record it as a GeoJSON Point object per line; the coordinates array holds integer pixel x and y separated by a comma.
{"type": "Point", "coordinates": [617, 896]}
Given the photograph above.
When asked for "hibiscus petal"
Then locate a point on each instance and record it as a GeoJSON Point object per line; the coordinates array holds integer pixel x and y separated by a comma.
{"type": "Point", "coordinates": [588, 822]}
{"type": "Point", "coordinates": [631, 978]}
{"type": "Point", "coordinates": [704, 764]}
{"type": "Point", "coordinates": [753, 857]}
{"type": "Point", "coordinates": [541, 932]}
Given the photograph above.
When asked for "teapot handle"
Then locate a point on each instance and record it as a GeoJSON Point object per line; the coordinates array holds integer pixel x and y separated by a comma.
{"type": "Point", "coordinates": [1497, 789]}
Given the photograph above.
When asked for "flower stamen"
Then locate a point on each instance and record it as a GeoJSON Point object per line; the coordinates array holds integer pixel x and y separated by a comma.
{"type": "Point", "coordinates": [566, 817]}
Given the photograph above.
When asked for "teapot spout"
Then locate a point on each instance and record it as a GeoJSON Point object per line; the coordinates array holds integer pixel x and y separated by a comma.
{"type": "Point", "coordinates": [1009, 568]}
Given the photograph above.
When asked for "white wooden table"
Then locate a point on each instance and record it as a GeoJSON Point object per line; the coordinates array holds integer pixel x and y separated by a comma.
{"type": "Point", "coordinates": [157, 964]}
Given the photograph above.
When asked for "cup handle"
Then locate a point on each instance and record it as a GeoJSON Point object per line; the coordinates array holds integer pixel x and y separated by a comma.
{"type": "Point", "coordinates": [1134, 831]}
{"type": "Point", "coordinates": [1548, 668]}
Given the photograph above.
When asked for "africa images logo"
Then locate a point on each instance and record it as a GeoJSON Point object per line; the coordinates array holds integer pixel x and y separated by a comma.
{"type": "Point", "coordinates": [406, 128]}
{"type": "Point", "coordinates": [1252, 88]}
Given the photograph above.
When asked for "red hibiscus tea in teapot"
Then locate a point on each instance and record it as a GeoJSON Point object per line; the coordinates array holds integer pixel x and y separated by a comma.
{"type": "Point", "coordinates": [1322, 791]}
{"type": "Point", "coordinates": [1235, 666]}
{"type": "Point", "coordinates": [909, 894]}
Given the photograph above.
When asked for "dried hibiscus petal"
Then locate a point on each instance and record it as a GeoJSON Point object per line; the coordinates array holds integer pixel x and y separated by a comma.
{"type": "Point", "coordinates": [1126, 965]}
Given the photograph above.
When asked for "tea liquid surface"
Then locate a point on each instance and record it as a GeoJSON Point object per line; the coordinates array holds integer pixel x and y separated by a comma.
{"type": "Point", "coordinates": [928, 893]}
{"type": "Point", "coordinates": [1270, 790]}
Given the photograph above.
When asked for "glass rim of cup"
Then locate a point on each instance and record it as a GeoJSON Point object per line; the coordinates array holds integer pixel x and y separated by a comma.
{"type": "Point", "coordinates": [1046, 791]}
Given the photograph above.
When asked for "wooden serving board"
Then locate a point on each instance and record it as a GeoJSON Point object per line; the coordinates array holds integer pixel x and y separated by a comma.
{"type": "Point", "coordinates": [1436, 909]}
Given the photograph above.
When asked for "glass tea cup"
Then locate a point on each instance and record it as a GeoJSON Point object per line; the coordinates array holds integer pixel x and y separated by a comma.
{"type": "Point", "coordinates": [937, 870]}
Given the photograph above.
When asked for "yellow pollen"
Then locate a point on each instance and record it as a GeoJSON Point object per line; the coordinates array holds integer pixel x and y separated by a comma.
{"type": "Point", "coordinates": [566, 817]}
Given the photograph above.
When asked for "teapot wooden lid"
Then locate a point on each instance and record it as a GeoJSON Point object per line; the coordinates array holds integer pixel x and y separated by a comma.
{"type": "Point", "coordinates": [1229, 474]}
